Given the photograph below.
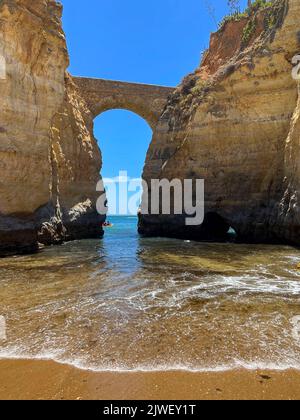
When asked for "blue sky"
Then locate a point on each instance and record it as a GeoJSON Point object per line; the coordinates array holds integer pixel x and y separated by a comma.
{"type": "Point", "coordinates": [154, 41]}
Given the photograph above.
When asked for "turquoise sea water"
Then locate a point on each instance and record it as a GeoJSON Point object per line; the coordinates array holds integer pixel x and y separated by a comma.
{"type": "Point", "coordinates": [132, 303]}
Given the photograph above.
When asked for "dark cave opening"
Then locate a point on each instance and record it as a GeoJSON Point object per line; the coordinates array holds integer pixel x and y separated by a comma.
{"type": "Point", "coordinates": [217, 228]}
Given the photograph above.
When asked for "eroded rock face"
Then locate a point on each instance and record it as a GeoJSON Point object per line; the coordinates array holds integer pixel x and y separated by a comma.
{"type": "Point", "coordinates": [287, 225]}
{"type": "Point", "coordinates": [49, 159]}
{"type": "Point", "coordinates": [235, 124]}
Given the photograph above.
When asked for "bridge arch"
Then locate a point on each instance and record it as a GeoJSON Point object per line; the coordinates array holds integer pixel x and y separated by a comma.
{"type": "Point", "coordinates": [147, 101]}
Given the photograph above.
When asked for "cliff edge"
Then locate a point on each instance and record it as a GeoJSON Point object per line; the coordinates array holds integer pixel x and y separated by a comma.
{"type": "Point", "coordinates": [235, 124]}
{"type": "Point", "coordinates": [49, 158]}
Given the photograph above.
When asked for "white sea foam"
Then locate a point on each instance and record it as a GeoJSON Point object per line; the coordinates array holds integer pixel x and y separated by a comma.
{"type": "Point", "coordinates": [115, 368]}
{"type": "Point", "coordinates": [295, 321]}
{"type": "Point", "coordinates": [123, 311]}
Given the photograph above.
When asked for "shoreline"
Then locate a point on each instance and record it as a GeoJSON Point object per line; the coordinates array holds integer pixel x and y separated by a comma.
{"type": "Point", "coordinates": [41, 379]}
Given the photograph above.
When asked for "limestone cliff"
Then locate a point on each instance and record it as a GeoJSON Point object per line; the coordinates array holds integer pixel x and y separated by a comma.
{"type": "Point", "coordinates": [235, 124]}
{"type": "Point", "coordinates": [49, 159]}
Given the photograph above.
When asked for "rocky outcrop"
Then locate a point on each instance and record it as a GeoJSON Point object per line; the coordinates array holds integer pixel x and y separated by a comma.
{"type": "Point", "coordinates": [235, 124]}
{"type": "Point", "coordinates": [287, 225]}
{"type": "Point", "coordinates": [49, 159]}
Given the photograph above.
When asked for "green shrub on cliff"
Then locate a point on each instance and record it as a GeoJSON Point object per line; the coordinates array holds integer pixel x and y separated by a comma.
{"type": "Point", "coordinates": [237, 15]}
{"type": "Point", "coordinates": [259, 4]}
{"type": "Point", "coordinates": [233, 17]}
{"type": "Point", "coordinates": [248, 31]}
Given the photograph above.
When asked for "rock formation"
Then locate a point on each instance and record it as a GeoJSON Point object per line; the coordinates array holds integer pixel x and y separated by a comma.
{"type": "Point", "coordinates": [49, 159]}
{"type": "Point", "coordinates": [235, 123]}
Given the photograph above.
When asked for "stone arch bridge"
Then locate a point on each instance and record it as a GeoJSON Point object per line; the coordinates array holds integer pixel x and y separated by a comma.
{"type": "Point", "coordinates": [148, 101]}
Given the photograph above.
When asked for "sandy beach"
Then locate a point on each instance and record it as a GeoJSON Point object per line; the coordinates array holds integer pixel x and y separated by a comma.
{"type": "Point", "coordinates": [51, 381]}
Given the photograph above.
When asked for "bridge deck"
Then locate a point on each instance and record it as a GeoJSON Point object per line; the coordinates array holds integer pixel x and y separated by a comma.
{"type": "Point", "coordinates": [146, 100]}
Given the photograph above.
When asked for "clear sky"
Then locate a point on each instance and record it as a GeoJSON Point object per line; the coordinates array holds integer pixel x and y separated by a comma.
{"type": "Point", "coordinates": [147, 41]}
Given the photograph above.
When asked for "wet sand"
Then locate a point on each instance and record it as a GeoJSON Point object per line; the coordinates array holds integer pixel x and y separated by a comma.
{"type": "Point", "coordinates": [48, 380]}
